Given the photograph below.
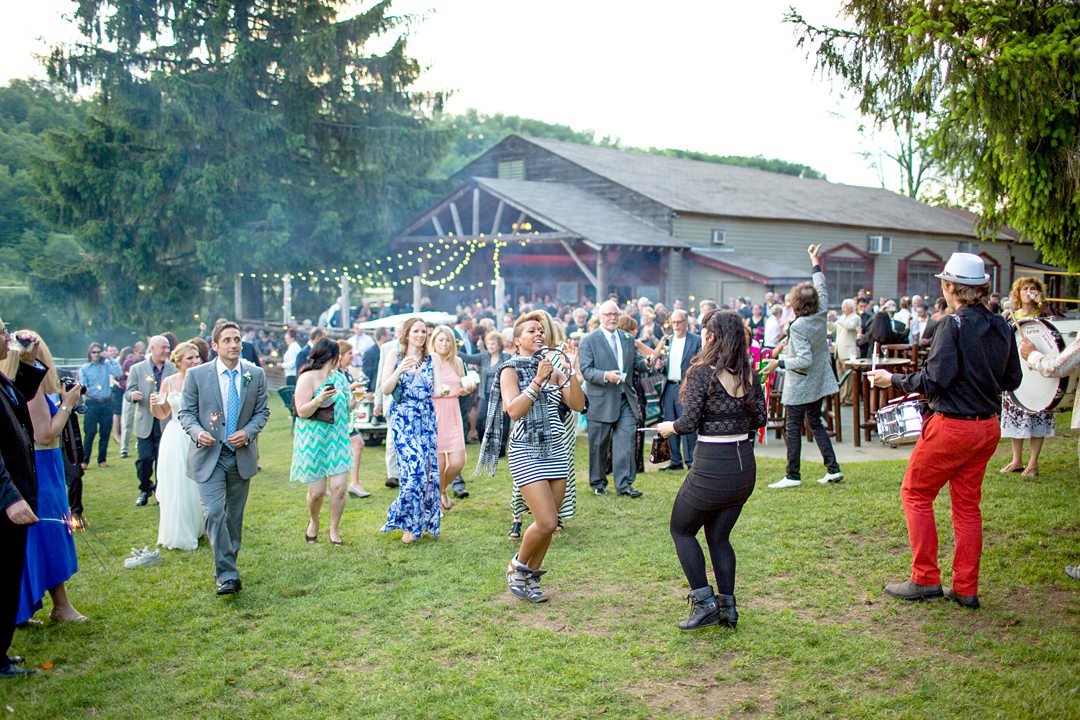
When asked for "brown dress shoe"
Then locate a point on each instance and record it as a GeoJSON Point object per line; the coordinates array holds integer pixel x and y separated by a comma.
{"type": "Point", "coordinates": [911, 590]}
{"type": "Point", "coordinates": [971, 602]}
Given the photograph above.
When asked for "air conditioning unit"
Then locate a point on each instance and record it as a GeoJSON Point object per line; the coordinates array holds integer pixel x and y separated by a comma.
{"type": "Point", "coordinates": [878, 245]}
{"type": "Point", "coordinates": [719, 237]}
{"type": "Point", "coordinates": [966, 246]}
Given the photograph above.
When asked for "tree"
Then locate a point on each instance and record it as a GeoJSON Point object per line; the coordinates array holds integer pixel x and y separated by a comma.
{"type": "Point", "coordinates": [996, 82]}
{"type": "Point", "coordinates": [235, 136]}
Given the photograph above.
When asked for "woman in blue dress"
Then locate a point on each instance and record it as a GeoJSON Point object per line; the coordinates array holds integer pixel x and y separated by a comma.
{"type": "Point", "coordinates": [50, 542]}
{"type": "Point", "coordinates": [412, 419]}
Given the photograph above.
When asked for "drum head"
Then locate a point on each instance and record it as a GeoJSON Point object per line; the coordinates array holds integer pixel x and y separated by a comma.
{"type": "Point", "coordinates": [1037, 393]}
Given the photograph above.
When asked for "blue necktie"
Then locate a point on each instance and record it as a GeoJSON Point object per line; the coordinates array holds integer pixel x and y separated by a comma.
{"type": "Point", "coordinates": [232, 406]}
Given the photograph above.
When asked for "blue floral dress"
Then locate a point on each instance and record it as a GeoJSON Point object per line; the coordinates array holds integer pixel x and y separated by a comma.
{"type": "Point", "coordinates": [415, 439]}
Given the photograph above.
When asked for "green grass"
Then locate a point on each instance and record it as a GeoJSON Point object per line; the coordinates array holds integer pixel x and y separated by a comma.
{"type": "Point", "coordinates": [380, 629]}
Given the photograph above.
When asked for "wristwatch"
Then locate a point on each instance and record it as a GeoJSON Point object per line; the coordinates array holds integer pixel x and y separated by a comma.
{"type": "Point", "coordinates": [65, 408]}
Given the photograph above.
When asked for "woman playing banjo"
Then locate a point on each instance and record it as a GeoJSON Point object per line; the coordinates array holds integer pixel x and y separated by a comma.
{"type": "Point", "coordinates": [530, 393]}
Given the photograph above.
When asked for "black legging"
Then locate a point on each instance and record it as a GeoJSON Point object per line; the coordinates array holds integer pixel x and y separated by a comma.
{"type": "Point", "coordinates": [686, 521]}
{"type": "Point", "coordinates": [722, 480]}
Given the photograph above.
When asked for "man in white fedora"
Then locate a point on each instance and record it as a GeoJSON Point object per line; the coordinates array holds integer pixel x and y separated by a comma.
{"type": "Point", "coordinates": [973, 359]}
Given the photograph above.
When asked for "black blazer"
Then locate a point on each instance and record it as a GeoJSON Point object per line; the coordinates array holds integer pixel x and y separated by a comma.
{"type": "Point", "coordinates": [369, 363]}
{"type": "Point", "coordinates": [692, 348]}
{"type": "Point", "coordinates": [248, 352]}
{"type": "Point", "coordinates": [18, 475]}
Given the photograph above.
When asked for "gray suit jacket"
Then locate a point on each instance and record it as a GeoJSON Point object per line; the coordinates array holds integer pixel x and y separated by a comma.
{"type": "Point", "coordinates": [202, 409]}
{"type": "Point", "coordinates": [596, 358]}
{"type": "Point", "coordinates": [809, 369]}
{"type": "Point", "coordinates": [141, 378]}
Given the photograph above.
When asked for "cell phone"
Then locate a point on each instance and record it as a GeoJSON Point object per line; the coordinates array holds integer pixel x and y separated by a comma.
{"type": "Point", "coordinates": [26, 341]}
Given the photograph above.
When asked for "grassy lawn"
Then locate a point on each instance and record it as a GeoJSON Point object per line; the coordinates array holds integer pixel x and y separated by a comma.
{"type": "Point", "coordinates": [379, 629]}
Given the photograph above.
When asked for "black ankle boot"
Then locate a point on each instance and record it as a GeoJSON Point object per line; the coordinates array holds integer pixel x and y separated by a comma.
{"type": "Point", "coordinates": [729, 616]}
{"type": "Point", "coordinates": [703, 609]}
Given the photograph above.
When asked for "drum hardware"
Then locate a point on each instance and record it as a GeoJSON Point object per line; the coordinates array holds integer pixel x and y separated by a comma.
{"type": "Point", "coordinates": [900, 422]}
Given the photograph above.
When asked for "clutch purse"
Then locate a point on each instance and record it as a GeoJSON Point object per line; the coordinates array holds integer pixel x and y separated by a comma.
{"type": "Point", "coordinates": [325, 413]}
{"type": "Point", "coordinates": [660, 451]}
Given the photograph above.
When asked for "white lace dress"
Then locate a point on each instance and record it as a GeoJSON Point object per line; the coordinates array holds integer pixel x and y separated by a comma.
{"type": "Point", "coordinates": [181, 522]}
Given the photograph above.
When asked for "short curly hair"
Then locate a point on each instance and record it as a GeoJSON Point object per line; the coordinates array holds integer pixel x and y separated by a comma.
{"type": "Point", "coordinates": [804, 299]}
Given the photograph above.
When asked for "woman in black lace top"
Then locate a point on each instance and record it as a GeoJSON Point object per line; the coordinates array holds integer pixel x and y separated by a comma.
{"type": "Point", "coordinates": [724, 404]}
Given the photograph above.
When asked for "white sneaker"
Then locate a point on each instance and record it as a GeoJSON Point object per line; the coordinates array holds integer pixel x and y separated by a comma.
{"type": "Point", "coordinates": [785, 483]}
{"type": "Point", "coordinates": [143, 559]}
{"type": "Point", "coordinates": [831, 478]}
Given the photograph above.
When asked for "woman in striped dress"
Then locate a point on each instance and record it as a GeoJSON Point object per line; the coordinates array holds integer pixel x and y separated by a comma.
{"type": "Point", "coordinates": [531, 393]}
{"type": "Point", "coordinates": [554, 336]}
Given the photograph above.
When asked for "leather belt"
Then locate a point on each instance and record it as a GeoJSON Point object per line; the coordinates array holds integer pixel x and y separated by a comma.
{"type": "Point", "coordinates": [954, 416]}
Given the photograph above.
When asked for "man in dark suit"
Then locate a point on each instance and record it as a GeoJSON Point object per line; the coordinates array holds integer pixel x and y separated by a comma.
{"type": "Point", "coordinates": [369, 362]}
{"type": "Point", "coordinates": [18, 489]}
{"type": "Point", "coordinates": [608, 359]}
{"type": "Point", "coordinates": [682, 347]}
{"type": "Point", "coordinates": [247, 348]}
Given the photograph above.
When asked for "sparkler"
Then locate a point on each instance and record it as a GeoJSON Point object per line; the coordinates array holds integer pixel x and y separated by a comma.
{"type": "Point", "coordinates": [74, 523]}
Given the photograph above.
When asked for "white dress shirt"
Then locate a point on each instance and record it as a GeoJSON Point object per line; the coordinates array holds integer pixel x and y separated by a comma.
{"type": "Point", "coordinates": [360, 344]}
{"type": "Point", "coordinates": [288, 362]}
{"type": "Point", "coordinates": [674, 361]}
{"type": "Point", "coordinates": [772, 331]}
{"type": "Point", "coordinates": [618, 346]}
{"type": "Point", "coordinates": [223, 383]}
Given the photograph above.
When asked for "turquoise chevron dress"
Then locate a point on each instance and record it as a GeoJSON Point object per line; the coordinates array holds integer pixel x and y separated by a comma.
{"type": "Point", "coordinates": [413, 421]}
{"type": "Point", "coordinates": [321, 450]}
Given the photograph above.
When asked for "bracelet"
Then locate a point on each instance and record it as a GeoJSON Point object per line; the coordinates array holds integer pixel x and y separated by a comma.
{"type": "Point", "coordinates": [65, 408]}
{"type": "Point", "coordinates": [530, 393]}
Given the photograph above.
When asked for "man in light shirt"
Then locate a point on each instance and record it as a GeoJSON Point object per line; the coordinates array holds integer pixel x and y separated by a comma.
{"type": "Point", "coordinates": [360, 341]}
{"type": "Point", "coordinates": [773, 327]}
{"type": "Point", "coordinates": [288, 361]}
{"type": "Point", "coordinates": [682, 348]}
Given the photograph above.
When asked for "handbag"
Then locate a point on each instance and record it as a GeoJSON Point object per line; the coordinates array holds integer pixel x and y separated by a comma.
{"type": "Point", "coordinates": [660, 451]}
{"type": "Point", "coordinates": [325, 413]}
{"type": "Point", "coordinates": [399, 390]}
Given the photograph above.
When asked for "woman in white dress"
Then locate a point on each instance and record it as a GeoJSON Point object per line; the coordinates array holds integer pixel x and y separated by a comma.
{"type": "Point", "coordinates": [181, 522]}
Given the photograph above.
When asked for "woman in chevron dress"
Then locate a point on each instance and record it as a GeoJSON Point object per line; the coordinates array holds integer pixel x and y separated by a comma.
{"type": "Point", "coordinates": [322, 452]}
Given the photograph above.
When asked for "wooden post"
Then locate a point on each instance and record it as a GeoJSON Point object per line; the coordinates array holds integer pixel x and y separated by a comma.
{"type": "Point", "coordinates": [601, 276]}
{"type": "Point", "coordinates": [344, 303]}
{"type": "Point", "coordinates": [417, 293]}
{"type": "Point", "coordinates": [238, 297]}
{"type": "Point", "coordinates": [500, 299]}
{"type": "Point", "coordinates": [286, 298]}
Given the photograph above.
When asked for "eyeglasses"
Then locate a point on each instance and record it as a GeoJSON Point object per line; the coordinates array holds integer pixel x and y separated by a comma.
{"type": "Point", "coordinates": [609, 314]}
{"type": "Point", "coordinates": [678, 322]}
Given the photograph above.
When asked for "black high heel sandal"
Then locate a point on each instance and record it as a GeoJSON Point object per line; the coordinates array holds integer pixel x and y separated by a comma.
{"type": "Point", "coordinates": [515, 530]}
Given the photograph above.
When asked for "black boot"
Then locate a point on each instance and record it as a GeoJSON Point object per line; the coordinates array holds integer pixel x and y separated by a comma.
{"type": "Point", "coordinates": [729, 616]}
{"type": "Point", "coordinates": [703, 609]}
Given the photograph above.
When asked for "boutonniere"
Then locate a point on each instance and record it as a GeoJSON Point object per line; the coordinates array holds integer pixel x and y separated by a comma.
{"type": "Point", "coordinates": [247, 378]}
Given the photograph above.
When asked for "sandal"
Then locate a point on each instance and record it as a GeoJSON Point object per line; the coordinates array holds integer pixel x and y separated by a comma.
{"type": "Point", "coordinates": [558, 525]}
{"type": "Point", "coordinates": [515, 530]}
{"type": "Point", "coordinates": [444, 500]}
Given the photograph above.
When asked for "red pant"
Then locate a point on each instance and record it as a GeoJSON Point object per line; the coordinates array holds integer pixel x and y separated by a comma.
{"type": "Point", "coordinates": [954, 452]}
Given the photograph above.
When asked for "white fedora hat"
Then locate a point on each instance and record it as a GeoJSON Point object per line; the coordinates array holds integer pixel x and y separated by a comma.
{"type": "Point", "coordinates": [965, 269]}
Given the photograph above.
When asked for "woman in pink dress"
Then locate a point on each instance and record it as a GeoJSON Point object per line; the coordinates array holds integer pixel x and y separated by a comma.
{"type": "Point", "coordinates": [451, 383]}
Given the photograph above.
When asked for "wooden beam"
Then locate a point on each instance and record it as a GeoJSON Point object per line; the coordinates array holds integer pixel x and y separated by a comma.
{"type": "Point", "coordinates": [438, 225]}
{"type": "Point", "coordinates": [520, 219]}
{"type": "Point", "coordinates": [457, 219]}
{"type": "Point", "coordinates": [579, 262]}
{"type": "Point", "coordinates": [498, 217]}
{"type": "Point", "coordinates": [476, 211]}
{"type": "Point", "coordinates": [601, 276]}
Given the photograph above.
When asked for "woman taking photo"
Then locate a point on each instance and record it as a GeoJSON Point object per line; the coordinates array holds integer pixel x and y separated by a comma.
{"type": "Point", "coordinates": [412, 422]}
{"type": "Point", "coordinates": [356, 441]}
{"type": "Point", "coordinates": [181, 521]}
{"type": "Point", "coordinates": [321, 449]}
{"type": "Point", "coordinates": [724, 404]}
{"type": "Point", "coordinates": [554, 336]}
{"type": "Point", "coordinates": [50, 544]}
{"type": "Point", "coordinates": [450, 431]}
{"type": "Point", "coordinates": [1017, 423]}
{"type": "Point", "coordinates": [489, 360]}
{"type": "Point", "coordinates": [531, 392]}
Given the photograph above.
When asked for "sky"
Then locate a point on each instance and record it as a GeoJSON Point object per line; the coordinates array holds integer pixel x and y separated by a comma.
{"type": "Point", "coordinates": [716, 76]}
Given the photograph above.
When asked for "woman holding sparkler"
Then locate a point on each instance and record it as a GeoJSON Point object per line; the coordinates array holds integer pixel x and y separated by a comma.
{"type": "Point", "coordinates": [50, 544]}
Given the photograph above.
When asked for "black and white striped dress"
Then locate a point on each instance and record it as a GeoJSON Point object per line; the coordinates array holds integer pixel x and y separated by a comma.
{"type": "Point", "coordinates": [525, 470]}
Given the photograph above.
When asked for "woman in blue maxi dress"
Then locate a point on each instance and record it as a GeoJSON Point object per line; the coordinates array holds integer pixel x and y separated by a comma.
{"type": "Point", "coordinates": [412, 418]}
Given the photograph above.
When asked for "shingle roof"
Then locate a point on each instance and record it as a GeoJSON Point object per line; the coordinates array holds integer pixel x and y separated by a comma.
{"type": "Point", "coordinates": [693, 186]}
{"type": "Point", "coordinates": [575, 210]}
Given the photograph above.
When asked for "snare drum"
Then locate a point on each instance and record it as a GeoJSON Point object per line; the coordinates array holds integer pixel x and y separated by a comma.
{"type": "Point", "coordinates": [900, 422]}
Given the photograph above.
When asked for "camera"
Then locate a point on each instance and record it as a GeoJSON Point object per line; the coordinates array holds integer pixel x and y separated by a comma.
{"type": "Point", "coordinates": [68, 383]}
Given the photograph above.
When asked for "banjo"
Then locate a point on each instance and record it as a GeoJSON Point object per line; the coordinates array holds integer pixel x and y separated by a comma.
{"type": "Point", "coordinates": [1037, 393]}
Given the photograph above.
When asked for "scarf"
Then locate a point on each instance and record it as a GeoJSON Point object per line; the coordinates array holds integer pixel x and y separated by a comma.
{"type": "Point", "coordinates": [537, 423]}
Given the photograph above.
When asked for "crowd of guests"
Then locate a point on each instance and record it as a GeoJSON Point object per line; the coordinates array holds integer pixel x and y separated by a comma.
{"type": "Point", "coordinates": [519, 385]}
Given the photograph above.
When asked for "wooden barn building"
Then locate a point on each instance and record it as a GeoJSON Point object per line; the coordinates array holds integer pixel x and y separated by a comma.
{"type": "Point", "coordinates": [582, 221]}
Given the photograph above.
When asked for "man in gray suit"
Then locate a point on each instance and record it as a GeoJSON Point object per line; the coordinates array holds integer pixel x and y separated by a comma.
{"type": "Point", "coordinates": [682, 347]}
{"type": "Point", "coordinates": [144, 381]}
{"type": "Point", "coordinates": [809, 376]}
{"type": "Point", "coordinates": [608, 359]}
{"type": "Point", "coordinates": [224, 408]}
